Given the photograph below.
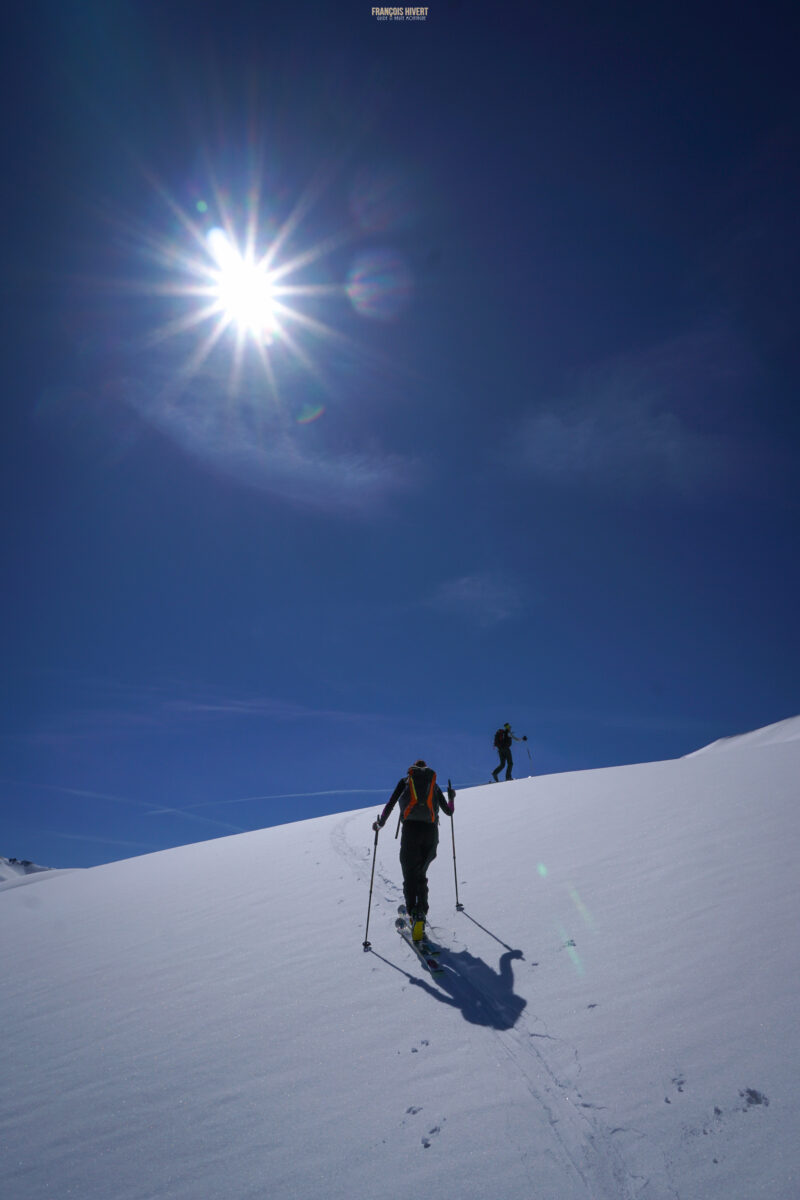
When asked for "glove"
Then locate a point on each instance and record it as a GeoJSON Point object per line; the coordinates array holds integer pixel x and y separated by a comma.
{"type": "Point", "coordinates": [451, 794]}
{"type": "Point", "coordinates": [524, 738]}
{"type": "Point", "coordinates": [376, 825]}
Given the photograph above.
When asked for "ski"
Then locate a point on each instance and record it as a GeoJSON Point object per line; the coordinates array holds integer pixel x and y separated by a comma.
{"type": "Point", "coordinates": [425, 942]}
{"type": "Point", "coordinates": [428, 960]}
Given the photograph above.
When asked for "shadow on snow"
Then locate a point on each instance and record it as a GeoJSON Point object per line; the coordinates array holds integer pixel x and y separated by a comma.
{"type": "Point", "coordinates": [483, 996]}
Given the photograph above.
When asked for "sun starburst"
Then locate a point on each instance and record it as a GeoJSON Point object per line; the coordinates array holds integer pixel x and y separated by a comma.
{"type": "Point", "coordinates": [241, 294]}
{"type": "Point", "coordinates": [243, 342]}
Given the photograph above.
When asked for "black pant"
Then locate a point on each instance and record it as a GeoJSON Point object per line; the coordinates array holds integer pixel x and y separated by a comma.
{"type": "Point", "coordinates": [417, 851]}
{"type": "Point", "coordinates": [505, 761]}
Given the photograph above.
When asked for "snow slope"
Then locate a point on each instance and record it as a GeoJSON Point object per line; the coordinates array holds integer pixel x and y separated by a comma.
{"type": "Point", "coordinates": [781, 731]}
{"type": "Point", "coordinates": [15, 871]}
{"type": "Point", "coordinates": [617, 1017]}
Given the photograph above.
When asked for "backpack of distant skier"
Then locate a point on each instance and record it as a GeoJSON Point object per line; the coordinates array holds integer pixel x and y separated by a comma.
{"type": "Point", "coordinates": [501, 739]}
{"type": "Point", "coordinates": [418, 801]}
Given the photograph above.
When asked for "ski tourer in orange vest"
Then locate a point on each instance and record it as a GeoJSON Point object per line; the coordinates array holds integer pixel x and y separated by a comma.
{"type": "Point", "coordinates": [420, 799]}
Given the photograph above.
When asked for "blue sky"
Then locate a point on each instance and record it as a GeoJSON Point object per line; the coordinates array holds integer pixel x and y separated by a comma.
{"type": "Point", "coordinates": [518, 444]}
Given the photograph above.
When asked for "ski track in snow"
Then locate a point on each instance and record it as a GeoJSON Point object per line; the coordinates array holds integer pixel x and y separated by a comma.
{"type": "Point", "coordinates": [584, 1145]}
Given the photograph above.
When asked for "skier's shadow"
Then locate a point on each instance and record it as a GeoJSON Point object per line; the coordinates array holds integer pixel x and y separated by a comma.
{"type": "Point", "coordinates": [483, 996]}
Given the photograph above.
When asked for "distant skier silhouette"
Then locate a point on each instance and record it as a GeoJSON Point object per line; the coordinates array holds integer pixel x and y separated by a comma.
{"type": "Point", "coordinates": [502, 740]}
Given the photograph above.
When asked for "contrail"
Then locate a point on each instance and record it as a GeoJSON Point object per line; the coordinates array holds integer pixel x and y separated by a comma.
{"type": "Point", "coordinates": [103, 841]}
{"type": "Point", "coordinates": [276, 796]}
{"type": "Point", "coordinates": [150, 809]}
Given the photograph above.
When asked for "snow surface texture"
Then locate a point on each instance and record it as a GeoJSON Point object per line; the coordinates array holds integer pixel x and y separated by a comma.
{"type": "Point", "coordinates": [617, 1017]}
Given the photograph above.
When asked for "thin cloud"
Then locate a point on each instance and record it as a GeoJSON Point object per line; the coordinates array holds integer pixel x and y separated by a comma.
{"type": "Point", "coordinates": [627, 442]}
{"type": "Point", "coordinates": [262, 447]}
{"type": "Point", "coordinates": [483, 598]}
{"type": "Point", "coordinates": [114, 709]}
{"type": "Point", "coordinates": [660, 420]}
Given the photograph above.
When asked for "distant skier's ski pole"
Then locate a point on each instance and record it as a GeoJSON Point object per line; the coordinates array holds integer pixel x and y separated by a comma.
{"type": "Point", "coordinates": [371, 880]}
{"type": "Point", "coordinates": [459, 906]}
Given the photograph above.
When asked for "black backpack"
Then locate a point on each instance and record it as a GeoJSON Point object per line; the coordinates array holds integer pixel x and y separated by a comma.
{"type": "Point", "coordinates": [501, 739]}
{"type": "Point", "coordinates": [418, 801]}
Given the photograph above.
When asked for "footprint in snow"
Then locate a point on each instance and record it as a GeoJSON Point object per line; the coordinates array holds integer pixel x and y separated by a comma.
{"type": "Point", "coordinates": [426, 1141]}
{"type": "Point", "coordinates": [752, 1099]}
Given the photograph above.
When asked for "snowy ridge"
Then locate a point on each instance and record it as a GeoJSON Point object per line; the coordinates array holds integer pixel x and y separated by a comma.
{"type": "Point", "coordinates": [15, 871]}
{"type": "Point", "coordinates": [15, 866]}
{"type": "Point", "coordinates": [781, 731]}
{"type": "Point", "coordinates": [616, 1017]}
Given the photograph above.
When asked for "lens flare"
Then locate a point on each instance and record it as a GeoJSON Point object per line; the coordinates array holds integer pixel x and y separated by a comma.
{"type": "Point", "coordinates": [310, 413]}
{"type": "Point", "coordinates": [581, 907]}
{"type": "Point", "coordinates": [379, 285]}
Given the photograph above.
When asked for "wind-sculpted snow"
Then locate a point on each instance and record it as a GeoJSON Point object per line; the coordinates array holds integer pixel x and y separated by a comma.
{"type": "Point", "coordinates": [615, 1018]}
{"type": "Point", "coordinates": [770, 735]}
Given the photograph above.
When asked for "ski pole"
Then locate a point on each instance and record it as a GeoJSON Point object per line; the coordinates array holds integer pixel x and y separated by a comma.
{"type": "Point", "coordinates": [527, 747]}
{"type": "Point", "coordinates": [459, 906]}
{"type": "Point", "coordinates": [367, 944]}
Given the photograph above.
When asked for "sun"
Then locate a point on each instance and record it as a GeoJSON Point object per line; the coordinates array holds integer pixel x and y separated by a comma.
{"type": "Point", "coordinates": [242, 287]}
{"type": "Point", "coordinates": [241, 334]}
